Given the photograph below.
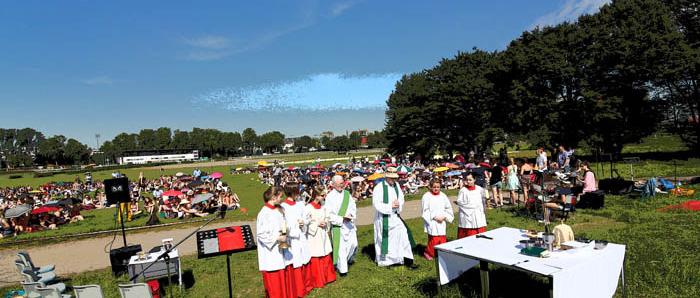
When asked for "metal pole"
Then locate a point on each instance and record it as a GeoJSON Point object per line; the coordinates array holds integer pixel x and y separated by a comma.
{"type": "Point", "coordinates": [484, 268]}
{"type": "Point", "coordinates": [228, 269]}
{"type": "Point", "coordinates": [121, 217]}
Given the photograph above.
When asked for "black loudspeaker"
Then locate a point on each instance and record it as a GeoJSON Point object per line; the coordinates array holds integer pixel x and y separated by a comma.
{"type": "Point", "coordinates": [119, 258]}
{"type": "Point", "coordinates": [117, 190]}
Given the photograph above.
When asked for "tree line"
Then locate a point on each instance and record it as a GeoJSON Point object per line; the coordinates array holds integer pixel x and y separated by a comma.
{"type": "Point", "coordinates": [602, 81]}
{"type": "Point", "coordinates": [27, 147]}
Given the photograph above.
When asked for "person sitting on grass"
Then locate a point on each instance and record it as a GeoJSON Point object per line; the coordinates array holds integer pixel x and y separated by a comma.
{"type": "Point", "coordinates": [185, 210]}
{"type": "Point", "coordinates": [167, 210]}
{"type": "Point", "coordinates": [47, 223]}
{"type": "Point", "coordinates": [149, 205]}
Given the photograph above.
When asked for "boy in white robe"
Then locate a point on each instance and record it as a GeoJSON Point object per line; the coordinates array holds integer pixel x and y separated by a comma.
{"type": "Point", "coordinates": [437, 212]}
{"type": "Point", "coordinates": [272, 260]}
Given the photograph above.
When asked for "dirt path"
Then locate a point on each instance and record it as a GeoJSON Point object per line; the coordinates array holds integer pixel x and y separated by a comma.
{"type": "Point", "coordinates": [89, 254]}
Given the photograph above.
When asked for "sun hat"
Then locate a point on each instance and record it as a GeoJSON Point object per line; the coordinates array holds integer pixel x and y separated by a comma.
{"type": "Point", "coordinates": [391, 173]}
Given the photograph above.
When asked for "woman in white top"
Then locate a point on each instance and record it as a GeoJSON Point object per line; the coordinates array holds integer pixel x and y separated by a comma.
{"type": "Point", "coordinates": [472, 219]}
{"type": "Point", "coordinates": [437, 212]}
{"type": "Point", "coordinates": [321, 265]}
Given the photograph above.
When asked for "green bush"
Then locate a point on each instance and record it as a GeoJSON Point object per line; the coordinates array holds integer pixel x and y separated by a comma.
{"type": "Point", "coordinates": [43, 174]}
{"type": "Point", "coordinates": [15, 176]}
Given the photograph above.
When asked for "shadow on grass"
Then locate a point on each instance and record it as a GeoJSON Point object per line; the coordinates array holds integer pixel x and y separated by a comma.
{"type": "Point", "coordinates": [503, 283]}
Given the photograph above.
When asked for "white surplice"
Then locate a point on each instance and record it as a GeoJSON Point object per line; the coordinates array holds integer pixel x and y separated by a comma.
{"type": "Point", "coordinates": [267, 229]}
{"type": "Point", "coordinates": [319, 238]}
{"type": "Point", "coordinates": [298, 245]}
{"type": "Point", "coordinates": [435, 206]}
{"type": "Point", "coordinates": [399, 245]}
{"type": "Point", "coordinates": [471, 208]}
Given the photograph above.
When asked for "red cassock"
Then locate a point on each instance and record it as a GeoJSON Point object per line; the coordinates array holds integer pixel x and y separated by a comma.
{"type": "Point", "coordinates": [275, 283]}
{"type": "Point", "coordinates": [322, 271]}
{"type": "Point", "coordinates": [464, 232]}
{"type": "Point", "coordinates": [432, 241]}
{"type": "Point", "coordinates": [295, 281]}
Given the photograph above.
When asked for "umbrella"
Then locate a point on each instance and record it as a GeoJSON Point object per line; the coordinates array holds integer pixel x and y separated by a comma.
{"type": "Point", "coordinates": [315, 173]}
{"type": "Point", "coordinates": [358, 170]}
{"type": "Point", "coordinates": [239, 169]}
{"type": "Point", "coordinates": [453, 173]}
{"type": "Point", "coordinates": [202, 198]}
{"type": "Point", "coordinates": [425, 174]}
{"type": "Point", "coordinates": [17, 211]}
{"type": "Point", "coordinates": [216, 175]}
{"type": "Point", "coordinates": [375, 176]}
{"type": "Point", "coordinates": [291, 168]}
{"type": "Point", "coordinates": [52, 203]}
{"type": "Point", "coordinates": [262, 163]}
{"type": "Point", "coordinates": [337, 164]}
{"type": "Point", "coordinates": [404, 169]}
{"type": "Point", "coordinates": [195, 183]}
{"type": "Point", "coordinates": [376, 161]}
{"type": "Point", "coordinates": [172, 193]}
{"type": "Point", "coordinates": [179, 174]}
{"type": "Point", "coordinates": [441, 169]}
{"type": "Point", "coordinates": [35, 191]}
{"type": "Point", "coordinates": [357, 179]}
{"type": "Point", "coordinates": [451, 166]}
{"type": "Point", "coordinates": [45, 209]}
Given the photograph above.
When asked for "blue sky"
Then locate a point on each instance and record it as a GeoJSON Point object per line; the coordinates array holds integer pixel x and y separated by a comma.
{"type": "Point", "coordinates": [79, 68]}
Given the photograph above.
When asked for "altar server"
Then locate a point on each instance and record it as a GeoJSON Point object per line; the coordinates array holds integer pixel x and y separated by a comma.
{"type": "Point", "coordinates": [272, 256]}
{"type": "Point", "coordinates": [472, 219]}
{"type": "Point", "coordinates": [295, 215]}
{"type": "Point", "coordinates": [321, 265]}
{"type": "Point", "coordinates": [437, 212]}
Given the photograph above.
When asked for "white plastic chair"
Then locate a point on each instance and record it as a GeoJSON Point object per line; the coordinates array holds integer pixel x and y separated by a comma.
{"type": "Point", "coordinates": [88, 291]}
{"type": "Point", "coordinates": [137, 290]}
{"type": "Point", "coordinates": [51, 293]}
{"type": "Point", "coordinates": [31, 289]}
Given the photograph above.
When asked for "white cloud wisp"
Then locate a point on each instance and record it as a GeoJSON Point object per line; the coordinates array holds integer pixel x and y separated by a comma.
{"type": "Point", "coordinates": [570, 11]}
{"type": "Point", "coordinates": [318, 92]}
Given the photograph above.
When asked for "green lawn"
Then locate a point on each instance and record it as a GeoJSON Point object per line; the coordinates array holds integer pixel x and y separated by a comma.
{"type": "Point", "coordinates": [661, 259]}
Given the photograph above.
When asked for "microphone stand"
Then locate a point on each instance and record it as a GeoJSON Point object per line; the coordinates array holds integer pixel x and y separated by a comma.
{"type": "Point", "coordinates": [166, 254]}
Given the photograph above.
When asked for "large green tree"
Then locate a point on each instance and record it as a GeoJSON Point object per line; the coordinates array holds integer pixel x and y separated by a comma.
{"type": "Point", "coordinates": [249, 138]}
{"type": "Point", "coordinates": [76, 152]}
{"type": "Point", "coordinates": [271, 141]}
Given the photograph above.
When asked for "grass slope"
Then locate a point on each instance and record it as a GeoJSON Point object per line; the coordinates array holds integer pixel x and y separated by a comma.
{"type": "Point", "coordinates": [661, 259]}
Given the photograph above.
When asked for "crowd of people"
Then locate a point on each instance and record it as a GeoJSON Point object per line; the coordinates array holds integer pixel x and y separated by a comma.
{"type": "Point", "coordinates": [29, 209]}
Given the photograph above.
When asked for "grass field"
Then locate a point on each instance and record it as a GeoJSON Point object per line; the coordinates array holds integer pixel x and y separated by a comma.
{"type": "Point", "coordinates": [661, 259]}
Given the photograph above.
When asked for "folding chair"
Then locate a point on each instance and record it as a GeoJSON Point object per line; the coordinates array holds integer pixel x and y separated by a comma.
{"type": "Point", "coordinates": [47, 292]}
{"type": "Point", "coordinates": [88, 291]}
{"type": "Point", "coordinates": [24, 257]}
{"type": "Point", "coordinates": [137, 290]}
{"type": "Point", "coordinates": [30, 288]}
{"type": "Point", "coordinates": [30, 276]}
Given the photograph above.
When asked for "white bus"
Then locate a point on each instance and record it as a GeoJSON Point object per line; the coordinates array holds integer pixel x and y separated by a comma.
{"type": "Point", "coordinates": [157, 156]}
